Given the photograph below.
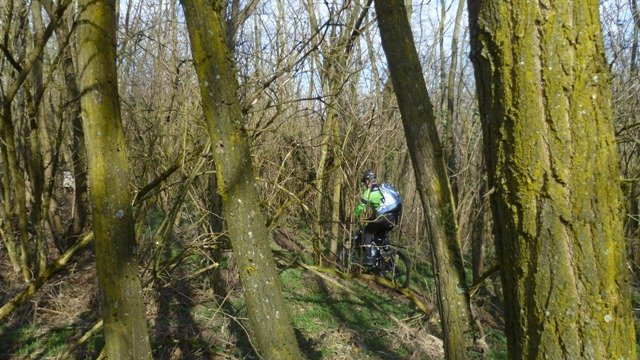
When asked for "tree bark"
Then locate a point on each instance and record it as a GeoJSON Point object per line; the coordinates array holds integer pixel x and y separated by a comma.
{"type": "Point", "coordinates": [7, 209]}
{"type": "Point", "coordinates": [109, 182]}
{"type": "Point", "coordinates": [634, 44]}
{"type": "Point", "coordinates": [431, 177]}
{"type": "Point", "coordinates": [477, 235]}
{"type": "Point", "coordinates": [545, 100]}
{"type": "Point", "coordinates": [17, 183]}
{"type": "Point", "coordinates": [246, 223]}
{"type": "Point", "coordinates": [451, 146]}
{"type": "Point", "coordinates": [41, 167]}
{"type": "Point", "coordinates": [78, 155]}
{"type": "Point", "coordinates": [333, 75]}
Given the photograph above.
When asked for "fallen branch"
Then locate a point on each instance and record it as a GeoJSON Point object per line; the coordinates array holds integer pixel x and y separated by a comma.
{"type": "Point", "coordinates": [51, 270]}
{"type": "Point", "coordinates": [324, 272]}
{"type": "Point", "coordinates": [67, 353]}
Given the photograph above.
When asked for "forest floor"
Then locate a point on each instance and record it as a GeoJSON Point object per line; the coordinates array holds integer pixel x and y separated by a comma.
{"type": "Point", "coordinates": [333, 318]}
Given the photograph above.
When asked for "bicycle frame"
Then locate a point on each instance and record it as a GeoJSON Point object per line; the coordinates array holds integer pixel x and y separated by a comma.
{"type": "Point", "coordinates": [385, 257]}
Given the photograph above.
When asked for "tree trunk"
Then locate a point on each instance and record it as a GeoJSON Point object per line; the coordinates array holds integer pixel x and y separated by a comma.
{"type": "Point", "coordinates": [431, 177]}
{"type": "Point", "coordinates": [41, 154]}
{"type": "Point", "coordinates": [7, 221]}
{"type": "Point", "coordinates": [451, 155]}
{"type": "Point", "coordinates": [634, 44]}
{"type": "Point", "coordinates": [218, 231]}
{"type": "Point", "coordinates": [109, 182]}
{"type": "Point", "coordinates": [333, 75]}
{"type": "Point", "coordinates": [544, 92]}
{"type": "Point", "coordinates": [267, 314]}
{"type": "Point", "coordinates": [15, 206]}
{"type": "Point", "coordinates": [477, 235]}
{"type": "Point", "coordinates": [78, 155]}
{"type": "Point", "coordinates": [17, 183]}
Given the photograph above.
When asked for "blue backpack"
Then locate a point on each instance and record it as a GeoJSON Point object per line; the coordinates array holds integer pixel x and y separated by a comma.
{"type": "Point", "coordinates": [391, 199]}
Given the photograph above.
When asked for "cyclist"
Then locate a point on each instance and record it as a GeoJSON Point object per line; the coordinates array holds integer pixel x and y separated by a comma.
{"type": "Point", "coordinates": [387, 209]}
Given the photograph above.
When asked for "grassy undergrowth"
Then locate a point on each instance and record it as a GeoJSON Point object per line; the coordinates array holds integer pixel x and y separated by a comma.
{"type": "Point", "coordinates": [38, 341]}
{"type": "Point", "coordinates": [338, 325]}
{"type": "Point", "coordinates": [189, 322]}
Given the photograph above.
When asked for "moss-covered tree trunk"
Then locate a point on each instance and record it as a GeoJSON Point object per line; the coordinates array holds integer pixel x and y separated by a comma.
{"type": "Point", "coordinates": [478, 234]}
{"type": "Point", "coordinates": [42, 164]}
{"type": "Point", "coordinates": [334, 64]}
{"type": "Point", "coordinates": [109, 182]}
{"type": "Point", "coordinates": [8, 236]}
{"type": "Point", "coordinates": [268, 319]}
{"type": "Point", "coordinates": [14, 74]}
{"type": "Point", "coordinates": [17, 208]}
{"type": "Point", "coordinates": [78, 155]}
{"type": "Point", "coordinates": [545, 100]}
{"type": "Point", "coordinates": [432, 182]}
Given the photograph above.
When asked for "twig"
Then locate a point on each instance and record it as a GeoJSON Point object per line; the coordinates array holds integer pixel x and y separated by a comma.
{"type": "Point", "coordinates": [474, 288]}
{"type": "Point", "coordinates": [67, 353]}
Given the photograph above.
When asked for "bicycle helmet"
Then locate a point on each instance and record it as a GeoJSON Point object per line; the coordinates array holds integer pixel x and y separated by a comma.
{"type": "Point", "coordinates": [368, 175]}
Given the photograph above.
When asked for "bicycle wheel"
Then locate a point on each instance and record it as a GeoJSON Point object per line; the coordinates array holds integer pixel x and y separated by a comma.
{"type": "Point", "coordinates": [399, 269]}
{"type": "Point", "coordinates": [350, 259]}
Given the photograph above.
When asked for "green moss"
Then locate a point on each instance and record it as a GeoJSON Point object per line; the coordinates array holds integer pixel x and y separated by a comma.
{"type": "Point", "coordinates": [550, 147]}
{"type": "Point", "coordinates": [449, 220]}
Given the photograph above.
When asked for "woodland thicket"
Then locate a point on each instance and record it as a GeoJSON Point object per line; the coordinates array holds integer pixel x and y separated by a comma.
{"type": "Point", "coordinates": [150, 148]}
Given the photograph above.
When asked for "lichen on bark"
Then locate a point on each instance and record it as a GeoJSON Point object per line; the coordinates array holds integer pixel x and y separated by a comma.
{"type": "Point", "coordinates": [545, 108]}
{"type": "Point", "coordinates": [109, 179]}
{"type": "Point", "coordinates": [269, 323]}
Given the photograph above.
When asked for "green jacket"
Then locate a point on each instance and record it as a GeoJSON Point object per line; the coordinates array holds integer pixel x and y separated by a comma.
{"type": "Point", "coordinates": [371, 196]}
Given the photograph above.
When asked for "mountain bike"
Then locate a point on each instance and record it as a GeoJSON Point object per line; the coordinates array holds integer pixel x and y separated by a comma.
{"type": "Point", "coordinates": [388, 260]}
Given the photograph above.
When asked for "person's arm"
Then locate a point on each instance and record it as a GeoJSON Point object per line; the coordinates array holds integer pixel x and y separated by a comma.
{"type": "Point", "coordinates": [362, 205]}
{"type": "Point", "coordinates": [360, 208]}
